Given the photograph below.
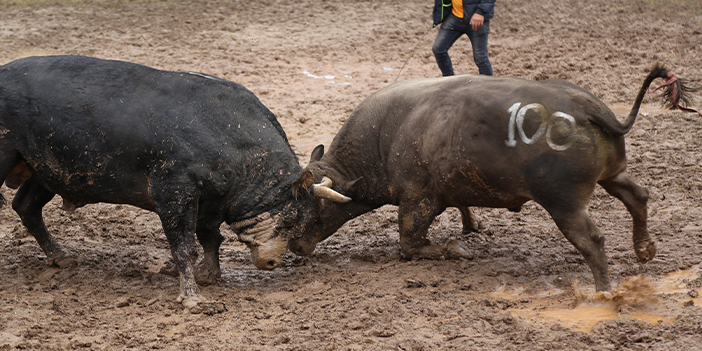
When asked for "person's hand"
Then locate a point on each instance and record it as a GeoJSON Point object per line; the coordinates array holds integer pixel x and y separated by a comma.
{"type": "Point", "coordinates": [477, 21]}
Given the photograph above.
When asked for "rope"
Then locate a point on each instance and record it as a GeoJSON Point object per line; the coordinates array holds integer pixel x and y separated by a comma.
{"type": "Point", "coordinates": [412, 53]}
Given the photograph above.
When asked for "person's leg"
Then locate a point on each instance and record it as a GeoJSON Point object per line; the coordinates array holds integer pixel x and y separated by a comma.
{"type": "Point", "coordinates": [448, 34]}
{"type": "Point", "coordinates": [479, 41]}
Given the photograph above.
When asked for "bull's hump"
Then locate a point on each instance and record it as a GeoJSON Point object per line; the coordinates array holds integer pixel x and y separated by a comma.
{"type": "Point", "coordinates": [435, 89]}
{"type": "Point", "coordinates": [204, 75]}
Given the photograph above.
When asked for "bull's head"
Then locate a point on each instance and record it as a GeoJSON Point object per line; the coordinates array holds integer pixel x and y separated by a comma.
{"type": "Point", "coordinates": [259, 234]}
{"type": "Point", "coordinates": [267, 234]}
{"type": "Point", "coordinates": [322, 209]}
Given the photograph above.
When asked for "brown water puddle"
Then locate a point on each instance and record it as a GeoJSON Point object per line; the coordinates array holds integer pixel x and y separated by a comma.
{"type": "Point", "coordinates": [676, 284]}
{"type": "Point", "coordinates": [546, 308]}
{"type": "Point", "coordinates": [585, 316]}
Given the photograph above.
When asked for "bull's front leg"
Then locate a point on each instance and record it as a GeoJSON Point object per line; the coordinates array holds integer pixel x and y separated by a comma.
{"type": "Point", "coordinates": [179, 226]}
{"type": "Point", "coordinates": [210, 238]}
{"type": "Point", "coordinates": [177, 208]}
{"type": "Point", "coordinates": [578, 228]}
{"type": "Point", "coordinates": [415, 218]}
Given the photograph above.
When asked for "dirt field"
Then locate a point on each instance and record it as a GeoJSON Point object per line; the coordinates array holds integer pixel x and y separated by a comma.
{"type": "Point", "coordinates": [311, 62]}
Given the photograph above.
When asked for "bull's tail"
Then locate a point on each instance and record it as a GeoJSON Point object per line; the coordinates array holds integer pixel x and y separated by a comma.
{"type": "Point", "coordinates": [676, 94]}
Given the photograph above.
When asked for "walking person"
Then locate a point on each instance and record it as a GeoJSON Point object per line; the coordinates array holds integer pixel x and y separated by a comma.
{"type": "Point", "coordinates": [458, 17]}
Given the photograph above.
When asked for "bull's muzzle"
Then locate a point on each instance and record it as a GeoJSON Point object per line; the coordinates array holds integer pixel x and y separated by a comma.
{"type": "Point", "coordinates": [269, 255]}
{"type": "Point", "coordinates": [267, 248]}
{"type": "Point", "coordinates": [301, 247]}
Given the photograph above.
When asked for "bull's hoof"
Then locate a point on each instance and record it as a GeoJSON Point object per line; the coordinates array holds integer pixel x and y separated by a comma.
{"type": "Point", "coordinates": [472, 226]}
{"type": "Point", "coordinates": [207, 307]}
{"type": "Point", "coordinates": [645, 254]}
{"type": "Point", "coordinates": [63, 259]}
{"type": "Point", "coordinates": [189, 301]}
{"type": "Point", "coordinates": [206, 274]}
{"type": "Point", "coordinates": [457, 249]}
{"type": "Point", "coordinates": [196, 304]}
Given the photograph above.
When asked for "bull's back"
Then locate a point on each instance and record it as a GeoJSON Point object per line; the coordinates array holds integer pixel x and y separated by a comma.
{"type": "Point", "coordinates": [91, 128]}
{"type": "Point", "coordinates": [484, 141]}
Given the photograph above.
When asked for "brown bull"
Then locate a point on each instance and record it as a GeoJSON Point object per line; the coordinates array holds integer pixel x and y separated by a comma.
{"type": "Point", "coordinates": [428, 144]}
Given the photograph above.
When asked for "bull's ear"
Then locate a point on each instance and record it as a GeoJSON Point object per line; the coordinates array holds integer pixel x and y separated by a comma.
{"type": "Point", "coordinates": [351, 187]}
{"type": "Point", "coordinates": [317, 153]}
{"type": "Point", "coordinates": [302, 184]}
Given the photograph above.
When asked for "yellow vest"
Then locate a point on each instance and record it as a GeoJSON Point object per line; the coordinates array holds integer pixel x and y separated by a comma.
{"type": "Point", "coordinates": [457, 8]}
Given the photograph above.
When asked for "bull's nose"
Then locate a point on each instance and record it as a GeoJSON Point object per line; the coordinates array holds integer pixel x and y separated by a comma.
{"type": "Point", "coordinates": [269, 255]}
{"type": "Point", "coordinates": [301, 249]}
{"type": "Point", "coordinates": [269, 264]}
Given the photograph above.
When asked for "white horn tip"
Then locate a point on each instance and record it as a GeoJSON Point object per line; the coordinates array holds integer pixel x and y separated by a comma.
{"type": "Point", "coordinates": [345, 198]}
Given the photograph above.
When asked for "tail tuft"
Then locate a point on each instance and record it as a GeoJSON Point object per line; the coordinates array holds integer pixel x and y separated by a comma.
{"type": "Point", "coordinates": [677, 92]}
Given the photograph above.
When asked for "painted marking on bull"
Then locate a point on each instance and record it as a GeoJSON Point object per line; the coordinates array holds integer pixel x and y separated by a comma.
{"type": "Point", "coordinates": [516, 125]}
{"type": "Point", "coordinates": [510, 128]}
{"type": "Point", "coordinates": [541, 112]}
{"type": "Point", "coordinates": [550, 142]}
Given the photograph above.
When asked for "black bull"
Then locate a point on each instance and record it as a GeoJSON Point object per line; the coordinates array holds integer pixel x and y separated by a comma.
{"type": "Point", "coordinates": [195, 149]}
{"type": "Point", "coordinates": [429, 144]}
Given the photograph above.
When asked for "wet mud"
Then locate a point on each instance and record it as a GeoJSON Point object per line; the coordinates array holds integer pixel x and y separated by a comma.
{"type": "Point", "coordinates": [311, 63]}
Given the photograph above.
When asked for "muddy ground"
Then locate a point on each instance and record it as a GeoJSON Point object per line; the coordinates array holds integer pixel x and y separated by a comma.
{"type": "Point", "coordinates": [311, 62]}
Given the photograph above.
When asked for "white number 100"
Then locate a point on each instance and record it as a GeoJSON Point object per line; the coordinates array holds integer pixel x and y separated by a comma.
{"type": "Point", "coordinates": [516, 124]}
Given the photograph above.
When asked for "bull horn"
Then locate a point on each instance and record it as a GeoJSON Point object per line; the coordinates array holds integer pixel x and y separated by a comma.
{"type": "Point", "coordinates": [323, 190]}
{"type": "Point", "coordinates": [326, 182]}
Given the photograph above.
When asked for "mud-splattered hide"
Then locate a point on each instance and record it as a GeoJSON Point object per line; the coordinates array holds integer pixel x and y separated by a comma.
{"type": "Point", "coordinates": [429, 144]}
{"type": "Point", "coordinates": [195, 149]}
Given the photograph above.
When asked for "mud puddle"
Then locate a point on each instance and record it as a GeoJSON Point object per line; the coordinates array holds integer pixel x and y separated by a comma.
{"type": "Point", "coordinates": [586, 315]}
{"type": "Point", "coordinates": [637, 298]}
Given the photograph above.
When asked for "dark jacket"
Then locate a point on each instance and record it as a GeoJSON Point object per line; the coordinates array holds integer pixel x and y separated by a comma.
{"type": "Point", "coordinates": [442, 8]}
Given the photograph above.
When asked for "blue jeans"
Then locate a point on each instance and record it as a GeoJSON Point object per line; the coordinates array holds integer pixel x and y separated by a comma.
{"type": "Point", "coordinates": [451, 29]}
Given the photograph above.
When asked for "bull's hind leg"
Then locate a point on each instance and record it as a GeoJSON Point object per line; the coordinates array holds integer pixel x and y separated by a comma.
{"type": "Point", "coordinates": [28, 203]}
{"type": "Point", "coordinates": [208, 271]}
{"type": "Point", "coordinates": [634, 198]}
{"type": "Point", "coordinates": [470, 221]}
{"type": "Point", "coordinates": [579, 229]}
{"type": "Point", "coordinates": [415, 218]}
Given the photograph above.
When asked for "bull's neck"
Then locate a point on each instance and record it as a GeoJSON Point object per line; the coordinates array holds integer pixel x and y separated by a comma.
{"type": "Point", "coordinates": [264, 189]}
{"type": "Point", "coordinates": [372, 186]}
